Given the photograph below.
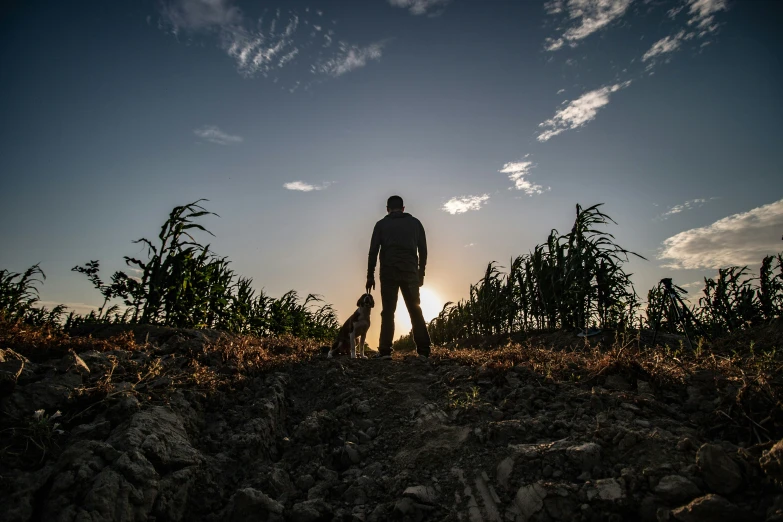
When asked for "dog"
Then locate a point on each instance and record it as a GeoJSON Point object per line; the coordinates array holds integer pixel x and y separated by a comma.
{"type": "Point", "coordinates": [356, 326]}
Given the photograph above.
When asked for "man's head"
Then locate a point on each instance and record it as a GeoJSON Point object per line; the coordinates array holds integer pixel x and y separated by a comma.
{"type": "Point", "coordinates": [394, 204]}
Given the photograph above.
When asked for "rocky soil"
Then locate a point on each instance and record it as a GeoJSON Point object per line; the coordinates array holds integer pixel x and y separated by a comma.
{"type": "Point", "coordinates": [146, 434]}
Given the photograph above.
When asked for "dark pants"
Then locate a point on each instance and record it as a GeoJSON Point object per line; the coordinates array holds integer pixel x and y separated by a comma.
{"type": "Point", "coordinates": [410, 293]}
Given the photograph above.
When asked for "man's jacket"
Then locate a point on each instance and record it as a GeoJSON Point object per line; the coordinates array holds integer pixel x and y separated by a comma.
{"type": "Point", "coordinates": [398, 236]}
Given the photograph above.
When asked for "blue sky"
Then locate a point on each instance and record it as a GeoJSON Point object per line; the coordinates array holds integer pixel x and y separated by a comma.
{"type": "Point", "coordinates": [297, 120]}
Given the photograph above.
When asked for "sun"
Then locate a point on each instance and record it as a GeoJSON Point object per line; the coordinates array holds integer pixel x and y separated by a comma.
{"type": "Point", "coordinates": [431, 305]}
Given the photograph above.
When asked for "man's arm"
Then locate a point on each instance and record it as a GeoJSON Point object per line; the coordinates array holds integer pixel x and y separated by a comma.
{"type": "Point", "coordinates": [375, 247]}
{"type": "Point", "coordinates": [422, 247]}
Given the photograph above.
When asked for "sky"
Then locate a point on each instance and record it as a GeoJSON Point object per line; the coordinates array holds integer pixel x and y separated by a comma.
{"type": "Point", "coordinates": [297, 119]}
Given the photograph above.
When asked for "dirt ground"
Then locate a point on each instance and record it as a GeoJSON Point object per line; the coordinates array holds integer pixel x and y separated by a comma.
{"type": "Point", "coordinates": [186, 429]}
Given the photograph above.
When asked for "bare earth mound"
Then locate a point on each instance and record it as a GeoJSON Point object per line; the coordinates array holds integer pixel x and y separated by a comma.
{"type": "Point", "coordinates": [192, 425]}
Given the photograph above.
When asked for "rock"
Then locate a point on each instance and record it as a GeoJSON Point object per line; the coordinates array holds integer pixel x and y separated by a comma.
{"type": "Point", "coordinates": [617, 382]}
{"type": "Point", "coordinates": [711, 508]}
{"type": "Point", "coordinates": [423, 494]}
{"type": "Point", "coordinates": [49, 394]}
{"type": "Point", "coordinates": [379, 514]}
{"type": "Point", "coordinates": [643, 388]}
{"type": "Point", "coordinates": [409, 509]}
{"type": "Point", "coordinates": [529, 500]}
{"type": "Point", "coordinates": [98, 429]}
{"type": "Point", "coordinates": [327, 474]}
{"type": "Point", "coordinates": [586, 456]}
{"type": "Point", "coordinates": [281, 483]}
{"type": "Point", "coordinates": [676, 489]}
{"type": "Point", "coordinates": [159, 434]}
{"type": "Point", "coordinates": [71, 362]}
{"type": "Point", "coordinates": [721, 473]}
{"type": "Point", "coordinates": [311, 511]}
{"type": "Point", "coordinates": [560, 508]}
{"type": "Point", "coordinates": [94, 481]}
{"type": "Point", "coordinates": [10, 371]}
{"type": "Point", "coordinates": [504, 470]}
{"type": "Point", "coordinates": [771, 462]}
{"type": "Point", "coordinates": [685, 444]}
{"type": "Point", "coordinates": [173, 492]}
{"type": "Point", "coordinates": [364, 407]}
{"type": "Point", "coordinates": [318, 427]}
{"type": "Point", "coordinates": [352, 453]}
{"type": "Point", "coordinates": [355, 495]}
{"type": "Point", "coordinates": [775, 512]}
{"type": "Point", "coordinates": [607, 489]}
{"type": "Point", "coordinates": [305, 482]}
{"type": "Point", "coordinates": [252, 505]}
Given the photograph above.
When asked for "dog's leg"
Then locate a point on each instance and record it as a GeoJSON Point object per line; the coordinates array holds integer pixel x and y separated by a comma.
{"type": "Point", "coordinates": [362, 344]}
{"type": "Point", "coordinates": [352, 337]}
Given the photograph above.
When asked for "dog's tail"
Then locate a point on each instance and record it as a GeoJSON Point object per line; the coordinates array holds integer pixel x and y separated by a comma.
{"type": "Point", "coordinates": [324, 349]}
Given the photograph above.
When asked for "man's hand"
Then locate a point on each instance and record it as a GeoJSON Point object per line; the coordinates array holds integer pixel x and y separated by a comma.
{"type": "Point", "coordinates": [421, 280]}
{"type": "Point", "coordinates": [370, 284]}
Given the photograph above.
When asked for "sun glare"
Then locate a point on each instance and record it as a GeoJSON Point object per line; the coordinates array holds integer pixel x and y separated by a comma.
{"type": "Point", "coordinates": [431, 305]}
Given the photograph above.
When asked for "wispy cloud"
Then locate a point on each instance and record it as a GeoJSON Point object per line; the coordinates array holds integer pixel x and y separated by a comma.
{"type": "Point", "coordinates": [213, 134]}
{"type": "Point", "coordinates": [303, 186]}
{"type": "Point", "coordinates": [348, 58]}
{"type": "Point", "coordinates": [581, 18]}
{"type": "Point", "coordinates": [462, 204]}
{"type": "Point", "coordinates": [517, 172]}
{"type": "Point", "coordinates": [702, 13]}
{"type": "Point", "coordinates": [664, 45]}
{"type": "Point", "coordinates": [688, 205]}
{"type": "Point", "coordinates": [739, 239]}
{"type": "Point", "coordinates": [269, 44]}
{"type": "Point", "coordinates": [420, 7]}
{"type": "Point", "coordinates": [699, 24]}
{"type": "Point", "coordinates": [577, 113]}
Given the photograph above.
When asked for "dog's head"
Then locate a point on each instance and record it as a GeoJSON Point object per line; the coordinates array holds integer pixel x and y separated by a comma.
{"type": "Point", "coordinates": [366, 300]}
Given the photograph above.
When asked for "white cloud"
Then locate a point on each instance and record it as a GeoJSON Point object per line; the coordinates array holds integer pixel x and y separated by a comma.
{"type": "Point", "coordinates": [264, 46]}
{"type": "Point", "coordinates": [702, 13]}
{"type": "Point", "coordinates": [664, 45]}
{"type": "Point", "coordinates": [303, 186]}
{"type": "Point", "coordinates": [578, 112]}
{"type": "Point", "coordinates": [460, 205]}
{"type": "Point", "coordinates": [739, 239]}
{"type": "Point", "coordinates": [193, 15]}
{"type": "Point", "coordinates": [688, 205]}
{"type": "Point", "coordinates": [583, 18]}
{"type": "Point", "coordinates": [259, 51]}
{"type": "Point", "coordinates": [420, 7]}
{"type": "Point", "coordinates": [517, 171]}
{"type": "Point", "coordinates": [348, 58]}
{"type": "Point", "coordinates": [213, 134]}
{"type": "Point", "coordinates": [701, 22]}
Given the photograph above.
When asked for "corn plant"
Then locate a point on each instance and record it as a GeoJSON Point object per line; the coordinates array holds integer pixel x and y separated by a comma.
{"type": "Point", "coordinates": [184, 284]}
{"type": "Point", "coordinates": [573, 280]}
{"type": "Point", "coordinates": [19, 295]}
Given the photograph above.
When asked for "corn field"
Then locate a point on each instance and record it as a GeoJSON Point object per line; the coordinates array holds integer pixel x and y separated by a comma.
{"type": "Point", "coordinates": [731, 301]}
{"type": "Point", "coordinates": [577, 280]}
{"type": "Point", "coordinates": [574, 280]}
{"type": "Point", "coordinates": [183, 284]}
{"type": "Point", "coordinates": [19, 295]}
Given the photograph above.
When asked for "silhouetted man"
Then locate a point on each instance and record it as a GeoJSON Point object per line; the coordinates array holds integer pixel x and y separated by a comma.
{"type": "Point", "coordinates": [399, 236]}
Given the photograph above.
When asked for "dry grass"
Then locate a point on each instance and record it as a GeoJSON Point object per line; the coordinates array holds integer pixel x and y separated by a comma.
{"type": "Point", "coordinates": [747, 383]}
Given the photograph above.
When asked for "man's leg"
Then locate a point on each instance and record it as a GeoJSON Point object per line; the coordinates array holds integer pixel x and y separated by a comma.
{"type": "Point", "coordinates": [389, 291]}
{"type": "Point", "coordinates": [410, 293]}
